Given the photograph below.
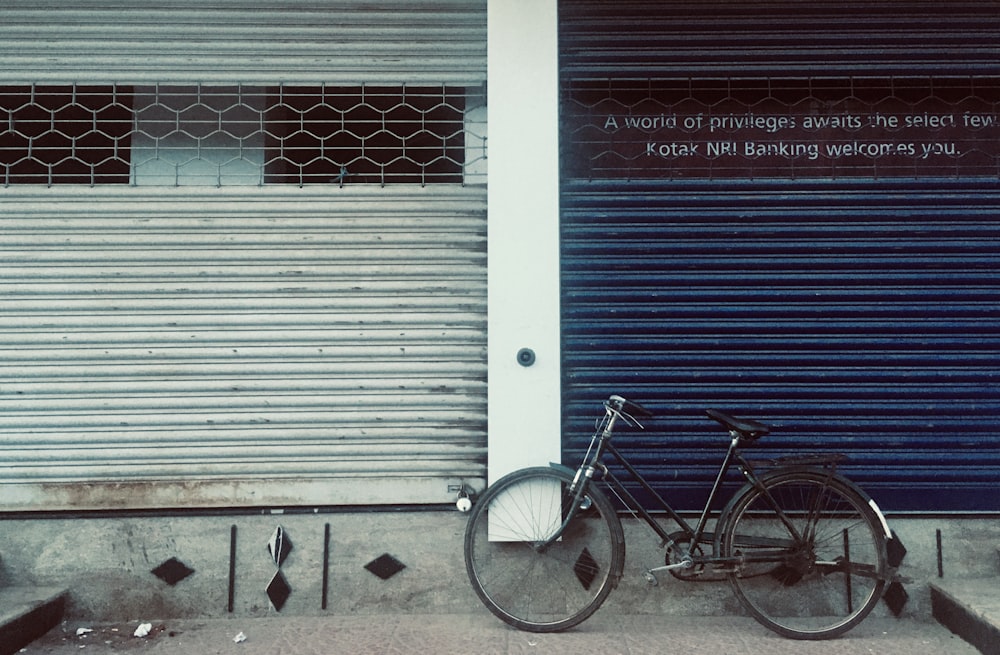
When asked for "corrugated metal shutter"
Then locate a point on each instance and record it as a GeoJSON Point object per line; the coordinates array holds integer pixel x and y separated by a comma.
{"type": "Point", "coordinates": [241, 346]}
{"type": "Point", "coordinates": [855, 320]}
{"type": "Point", "coordinates": [248, 41]}
{"type": "Point", "coordinates": [855, 315]}
{"type": "Point", "coordinates": [643, 39]}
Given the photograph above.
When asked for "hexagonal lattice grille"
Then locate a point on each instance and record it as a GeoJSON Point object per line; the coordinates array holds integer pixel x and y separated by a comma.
{"type": "Point", "coordinates": [69, 134]}
{"type": "Point", "coordinates": [240, 135]}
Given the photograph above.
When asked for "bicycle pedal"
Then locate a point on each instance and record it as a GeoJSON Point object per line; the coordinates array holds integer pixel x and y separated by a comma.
{"type": "Point", "coordinates": [651, 579]}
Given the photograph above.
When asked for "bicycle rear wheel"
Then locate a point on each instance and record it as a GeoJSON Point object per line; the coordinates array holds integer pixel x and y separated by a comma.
{"type": "Point", "coordinates": [542, 589]}
{"type": "Point", "coordinates": [820, 574]}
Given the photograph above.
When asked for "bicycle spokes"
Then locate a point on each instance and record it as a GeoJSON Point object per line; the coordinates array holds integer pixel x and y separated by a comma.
{"type": "Point", "coordinates": [540, 557]}
{"type": "Point", "coordinates": [818, 578]}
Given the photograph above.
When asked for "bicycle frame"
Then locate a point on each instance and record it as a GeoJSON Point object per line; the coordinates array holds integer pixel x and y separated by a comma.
{"type": "Point", "coordinates": [601, 444]}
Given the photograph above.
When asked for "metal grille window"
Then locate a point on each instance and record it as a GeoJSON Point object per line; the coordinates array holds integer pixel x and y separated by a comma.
{"type": "Point", "coordinates": [242, 135]}
{"type": "Point", "coordinates": [371, 134]}
{"type": "Point", "coordinates": [65, 134]}
{"type": "Point", "coordinates": [786, 128]}
{"type": "Point", "coordinates": [190, 135]}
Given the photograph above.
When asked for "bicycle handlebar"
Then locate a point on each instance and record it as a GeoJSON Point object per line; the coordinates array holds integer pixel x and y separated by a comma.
{"type": "Point", "coordinates": [628, 407]}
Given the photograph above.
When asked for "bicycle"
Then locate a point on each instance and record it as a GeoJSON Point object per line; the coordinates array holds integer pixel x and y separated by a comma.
{"type": "Point", "coordinates": [807, 552]}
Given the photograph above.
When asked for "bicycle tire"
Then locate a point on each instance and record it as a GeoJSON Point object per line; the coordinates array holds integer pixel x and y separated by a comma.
{"type": "Point", "coordinates": [828, 582]}
{"type": "Point", "coordinates": [555, 588]}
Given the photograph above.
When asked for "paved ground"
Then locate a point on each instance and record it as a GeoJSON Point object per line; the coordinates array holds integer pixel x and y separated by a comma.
{"type": "Point", "coordinates": [480, 634]}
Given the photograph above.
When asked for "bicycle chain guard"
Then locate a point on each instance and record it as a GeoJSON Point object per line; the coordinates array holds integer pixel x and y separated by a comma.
{"type": "Point", "coordinates": [676, 548]}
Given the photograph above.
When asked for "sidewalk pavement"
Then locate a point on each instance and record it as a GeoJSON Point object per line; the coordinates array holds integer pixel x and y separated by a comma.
{"type": "Point", "coordinates": [480, 634]}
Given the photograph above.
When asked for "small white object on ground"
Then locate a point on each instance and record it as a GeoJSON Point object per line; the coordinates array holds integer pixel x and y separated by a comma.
{"type": "Point", "coordinates": [240, 638]}
{"type": "Point", "coordinates": [143, 629]}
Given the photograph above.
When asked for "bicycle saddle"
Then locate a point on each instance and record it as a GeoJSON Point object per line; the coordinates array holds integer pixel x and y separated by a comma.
{"type": "Point", "coordinates": [746, 428]}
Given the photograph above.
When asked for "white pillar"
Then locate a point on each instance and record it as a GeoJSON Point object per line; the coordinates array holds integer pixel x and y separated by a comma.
{"type": "Point", "coordinates": [523, 241]}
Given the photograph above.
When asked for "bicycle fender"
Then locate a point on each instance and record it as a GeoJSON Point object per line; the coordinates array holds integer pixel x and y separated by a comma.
{"type": "Point", "coordinates": [565, 469]}
{"type": "Point", "coordinates": [881, 517]}
{"type": "Point", "coordinates": [871, 503]}
{"type": "Point", "coordinates": [727, 510]}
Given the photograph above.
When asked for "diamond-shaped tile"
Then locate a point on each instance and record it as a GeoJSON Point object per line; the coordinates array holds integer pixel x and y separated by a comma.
{"type": "Point", "coordinates": [895, 597]}
{"type": "Point", "coordinates": [586, 568]}
{"type": "Point", "coordinates": [278, 590]}
{"type": "Point", "coordinates": [895, 551]}
{"type": "Point", "coordinates": [279, 546]}
{"type": "Point", "coordinates": [172, 571]}
{"type": "Point", "coordinates": [385, 566]}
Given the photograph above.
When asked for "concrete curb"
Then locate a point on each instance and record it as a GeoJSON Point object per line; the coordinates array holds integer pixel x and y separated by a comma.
{"type": "Point", "coordinates": [971, 609]}
{"type": "Point", "coordinates": [27, 613]}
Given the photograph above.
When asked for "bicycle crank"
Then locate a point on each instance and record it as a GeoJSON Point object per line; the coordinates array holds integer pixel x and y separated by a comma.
{"type": "Point", "coordinates": [650, 574]}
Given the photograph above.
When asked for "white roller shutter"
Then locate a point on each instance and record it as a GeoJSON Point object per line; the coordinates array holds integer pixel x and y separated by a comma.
{"type": "Point", "coordinates": [241, 348]}
{"type": "Point", "coordinates": [248, 41]}
{"type": "Point", "coordinates": [244, 345]}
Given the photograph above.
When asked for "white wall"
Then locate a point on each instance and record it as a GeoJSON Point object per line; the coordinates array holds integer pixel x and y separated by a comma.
{"type": "Point", "coordinates": [524, 413]}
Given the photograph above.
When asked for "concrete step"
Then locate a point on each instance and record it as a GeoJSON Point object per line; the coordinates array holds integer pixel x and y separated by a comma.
{"type": "Point", "coordinates": [27, 613]}
{"type": "Point", "coordinates": [971, 609]}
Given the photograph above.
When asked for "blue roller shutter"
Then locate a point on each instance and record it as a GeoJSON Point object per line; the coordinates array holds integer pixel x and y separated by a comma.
{"type": "Point", "coordinates": [856, 314]}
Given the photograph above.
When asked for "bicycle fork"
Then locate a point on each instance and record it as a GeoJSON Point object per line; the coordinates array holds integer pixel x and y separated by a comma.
{"type": "Point", "coordinates": [582, 479]}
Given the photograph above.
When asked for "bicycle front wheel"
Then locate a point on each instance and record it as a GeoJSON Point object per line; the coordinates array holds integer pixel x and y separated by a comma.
{"type": "Point", "coordinates": [534, 587]}
{"type": "Point", "coordinates": [813, 553]}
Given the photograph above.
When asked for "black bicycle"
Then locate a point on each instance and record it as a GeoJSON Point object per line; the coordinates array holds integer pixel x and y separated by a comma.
{"type": "Point", "coordinates": [804, 548]}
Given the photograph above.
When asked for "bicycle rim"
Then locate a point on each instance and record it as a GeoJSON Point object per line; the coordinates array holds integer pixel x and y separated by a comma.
{"type": "Point", "coordinates": [822, 585]}
{"type": "Point", "coordinates": [553, 588]}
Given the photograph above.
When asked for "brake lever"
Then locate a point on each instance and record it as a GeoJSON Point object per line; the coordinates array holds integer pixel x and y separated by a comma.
{"type": "Point", "coordinates": [631, 420]}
